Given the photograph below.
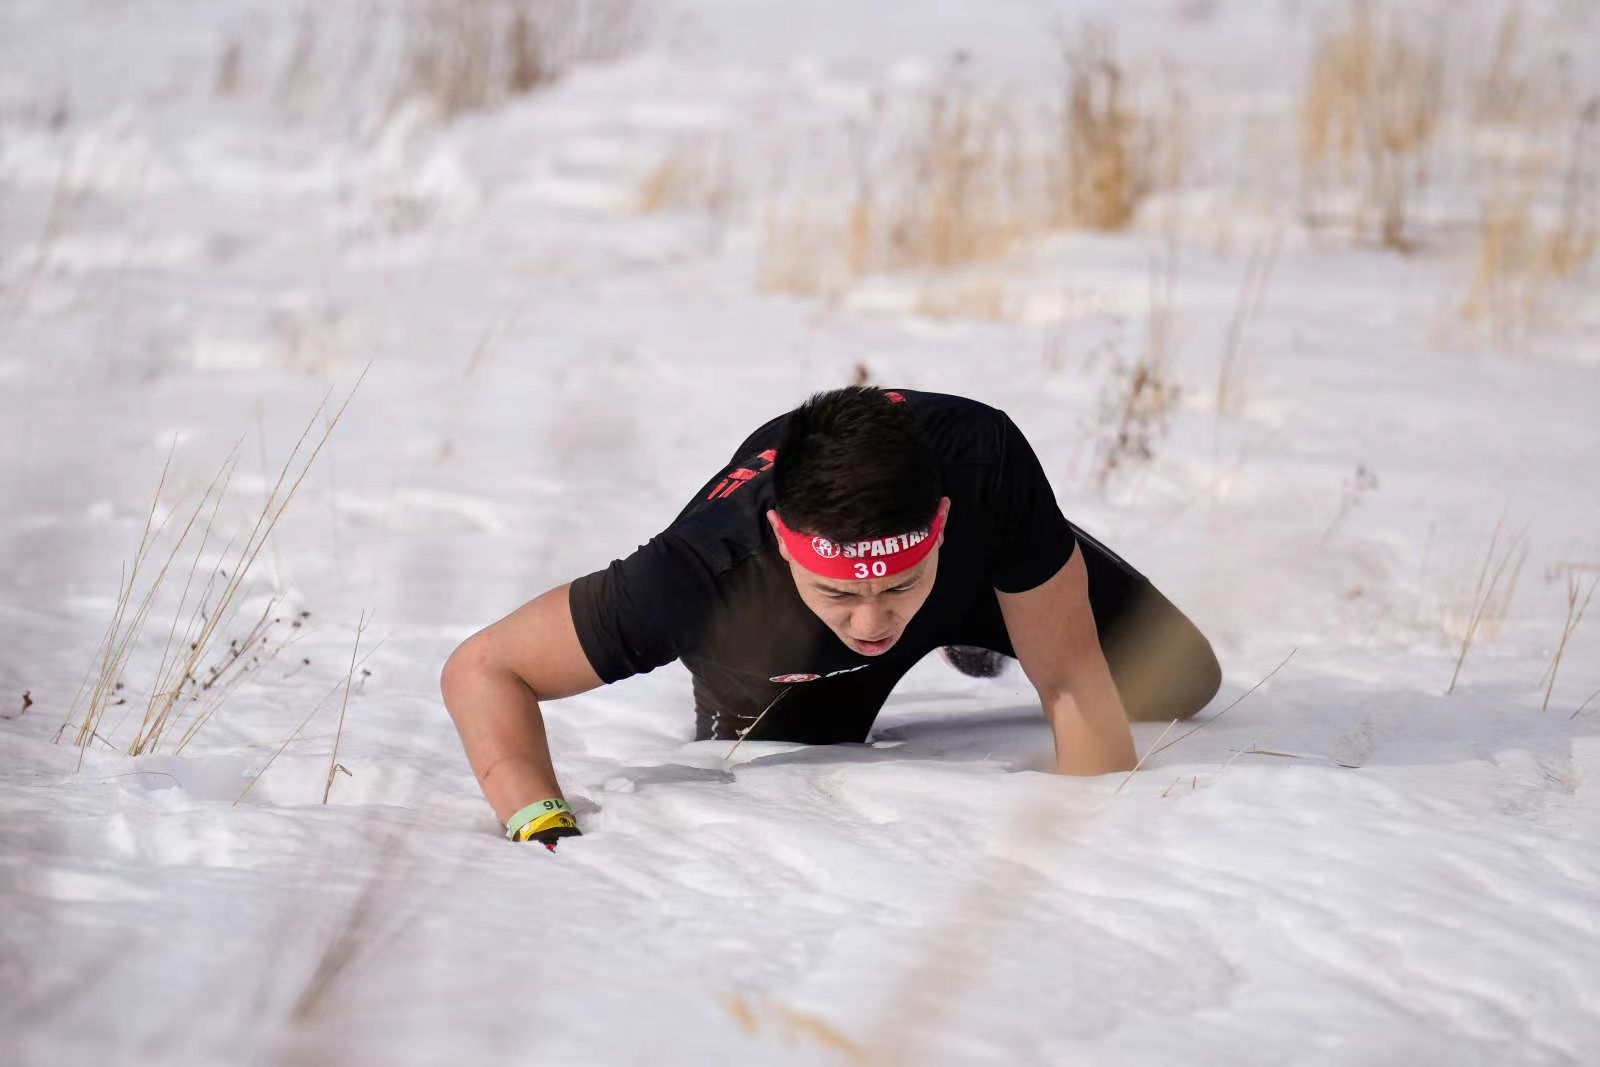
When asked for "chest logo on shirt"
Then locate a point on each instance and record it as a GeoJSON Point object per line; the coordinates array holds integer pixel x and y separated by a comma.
{"type": "Point", "coordinates": [795, 679]}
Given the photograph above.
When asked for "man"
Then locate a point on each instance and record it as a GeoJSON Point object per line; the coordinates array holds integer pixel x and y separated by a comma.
{"type": "Point", "coordinates": [846, 540]}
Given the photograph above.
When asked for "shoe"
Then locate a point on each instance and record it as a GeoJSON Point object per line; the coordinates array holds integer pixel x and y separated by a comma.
{"type": "Point", "coordinates": [974, 662]}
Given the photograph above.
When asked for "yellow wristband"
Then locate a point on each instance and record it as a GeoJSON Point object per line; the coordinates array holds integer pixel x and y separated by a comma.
{"type": "Point", "coordinates": [545, 822]}
{"type": "Point", "coordinates": [537, 811]}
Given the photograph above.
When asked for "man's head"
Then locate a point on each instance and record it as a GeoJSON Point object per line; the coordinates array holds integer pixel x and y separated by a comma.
{"type": "Point", "coordinates": [859, 514]}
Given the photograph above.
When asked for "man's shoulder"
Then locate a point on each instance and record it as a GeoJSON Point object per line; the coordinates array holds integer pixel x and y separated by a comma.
{"type": "Point", "coordinates": [961, 429]}
{"type": "Point", "coordinates": [724, 524]}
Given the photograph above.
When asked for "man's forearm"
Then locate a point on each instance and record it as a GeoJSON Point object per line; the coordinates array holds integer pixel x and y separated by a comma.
{"type": "Point", "coordinates": [1091, 730]}
{"type": "Point", "coordinates": [498, 718]}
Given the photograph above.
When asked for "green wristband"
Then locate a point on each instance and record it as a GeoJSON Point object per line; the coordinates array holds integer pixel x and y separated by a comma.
{"type": "Point", "coordinates": [537, 810]}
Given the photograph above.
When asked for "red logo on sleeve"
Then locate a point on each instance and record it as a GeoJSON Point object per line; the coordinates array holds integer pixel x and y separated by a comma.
{"type": "Point", "coordinates": [740, 475]}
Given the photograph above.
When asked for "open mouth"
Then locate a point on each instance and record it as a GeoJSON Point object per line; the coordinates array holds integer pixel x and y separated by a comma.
{"type": "Point", "coordinates": [873, 648]}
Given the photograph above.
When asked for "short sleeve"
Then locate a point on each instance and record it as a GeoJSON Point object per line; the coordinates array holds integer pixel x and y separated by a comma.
{"type": "Point", "coordinates": [1030, 540]}
{"type": "Point", "coordinates": [643, 611]}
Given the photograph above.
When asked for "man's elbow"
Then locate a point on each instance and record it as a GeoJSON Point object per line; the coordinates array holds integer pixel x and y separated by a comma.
{"type": "Point", "coordinates": [464, 671]}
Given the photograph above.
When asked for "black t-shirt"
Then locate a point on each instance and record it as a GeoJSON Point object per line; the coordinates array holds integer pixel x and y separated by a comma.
{"type": "Point", "coordinates": [712, 590]}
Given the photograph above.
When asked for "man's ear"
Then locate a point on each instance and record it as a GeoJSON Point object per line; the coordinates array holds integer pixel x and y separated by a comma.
{"type": "Point", "coordinates": [783, 549]}
{"type": "Point", "coordinates": [944, 515]}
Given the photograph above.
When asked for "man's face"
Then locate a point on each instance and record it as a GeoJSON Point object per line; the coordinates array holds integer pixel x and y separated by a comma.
{"type": "Point", "coordinates": [867, 615]}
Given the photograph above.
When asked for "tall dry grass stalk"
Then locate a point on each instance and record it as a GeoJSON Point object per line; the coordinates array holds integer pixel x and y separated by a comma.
{"type": "Point", "coordinates": [106, 664]}
{"type": "Point", "coordinates": [196, 625]}
{"type": "Point", "coordinates": [1141, 401]}
{"type": "Point", "coordinates": [1369, 114]}
{"type": "Point", "coordinates": [1587, 701]}
{"type": "Point", "coordinates": [1491, 597]}
{"type": "Point", "coordinates": [1252, 291]}
{"type": "Point", "coordinates": [1575, 610]}
{"type": "Point", "coordinates": [299, 730]}
{"type": "Point", "coordinates": [338, 735]}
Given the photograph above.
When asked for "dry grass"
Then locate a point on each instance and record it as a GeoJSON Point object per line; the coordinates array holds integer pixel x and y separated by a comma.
{"type": "Point", "coordinates": [975, 298]}
{"type": "Point", "coordinates": [792, 1024]}
{"type": "Point", "coordinates": [466, 55]}
{"type": "Point", "coordinates": [695, 175]}
{"type": "Point", "coordinates": [1502, 92]}
{"type": "Point", "coordinates": [68, 195]}
{"type": "Point", "coordinates": [1538, 224]}
{"type": "Point", "coordinates": [1369, 114]}
{"type": "Point", "coordinates": [1507, 286]}
{"type": "Point", "coordinates": [242, 657]}
{"type": "Point", "coordinates": [960, 204]}
{"type": "Point", "coordinates": [1575, 610]}
{"type": "Point", "coordinates": [349, 679]}
{"type": "Point", "coordinates": [961, 179]}
{"type": "Point", "coordinates": [1110, 154]}
{"type": "Point", "coordinates": [1580, 708]}
{"type": "Point", "coordinates": [1538, 228]}
{"type": "Point", "coordinates": [949, 193]}
{"type": "Point", "coordinates": [226, 79]}
{"type": "Point", "coordinates": [1158, 748]}
{"type": "Point", "coordinates": [354, 934]}
{"type": "Point", "coordinates": [1141, 399]}
{"type": "Point", "coordinates": [1252, 293]}
{"type": "Point", "coordinates": [299, 730]}
{"type": "Point", "coordinates": [456, 56]}
{"type": "Point", "coordinates": [1363, 481]}
{"type": "Point", "coordinates": [1491, 597]}
{"type": "Point", "coordinates": [1576, 237]}
{"type": "Point", "coordinates": [801, 251]}
{"type": "Point", "coordinates": [199, 616]}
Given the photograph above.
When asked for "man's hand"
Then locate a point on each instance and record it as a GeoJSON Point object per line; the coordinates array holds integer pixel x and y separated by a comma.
{"type": "Point", "coordinates": [1053, 633]}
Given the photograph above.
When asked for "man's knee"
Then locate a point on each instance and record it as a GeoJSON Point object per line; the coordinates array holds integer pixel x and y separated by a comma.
{"type": "Point", "coordinates": [1198, 680]}
{"type": "Point", "coordinates": [1163, 665]}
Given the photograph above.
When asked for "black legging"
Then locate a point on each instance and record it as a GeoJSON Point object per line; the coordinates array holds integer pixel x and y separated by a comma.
{"type": "Point", "coordinates": [1163, 666]}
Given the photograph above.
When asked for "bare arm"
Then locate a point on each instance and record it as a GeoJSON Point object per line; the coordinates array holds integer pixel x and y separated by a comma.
{"type": "Point", "coordinates": [493, 684]}
{"type": "Point", "coordinates": [1053, 633]}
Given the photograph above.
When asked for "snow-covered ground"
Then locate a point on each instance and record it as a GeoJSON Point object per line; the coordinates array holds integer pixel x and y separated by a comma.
{"type": "Point", "coordinates": [206, 225]}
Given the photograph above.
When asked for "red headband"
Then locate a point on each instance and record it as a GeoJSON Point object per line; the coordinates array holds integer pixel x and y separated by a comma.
{"type": "Point", "coordinates": [875, 557]}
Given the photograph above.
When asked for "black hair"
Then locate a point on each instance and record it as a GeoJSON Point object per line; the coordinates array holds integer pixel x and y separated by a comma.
{"type": "Point", "coordinates": [852, 464]}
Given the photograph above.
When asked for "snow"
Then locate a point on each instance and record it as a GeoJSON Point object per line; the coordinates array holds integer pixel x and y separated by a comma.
{"type": "Point", "coordinates": [1348, 865]}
